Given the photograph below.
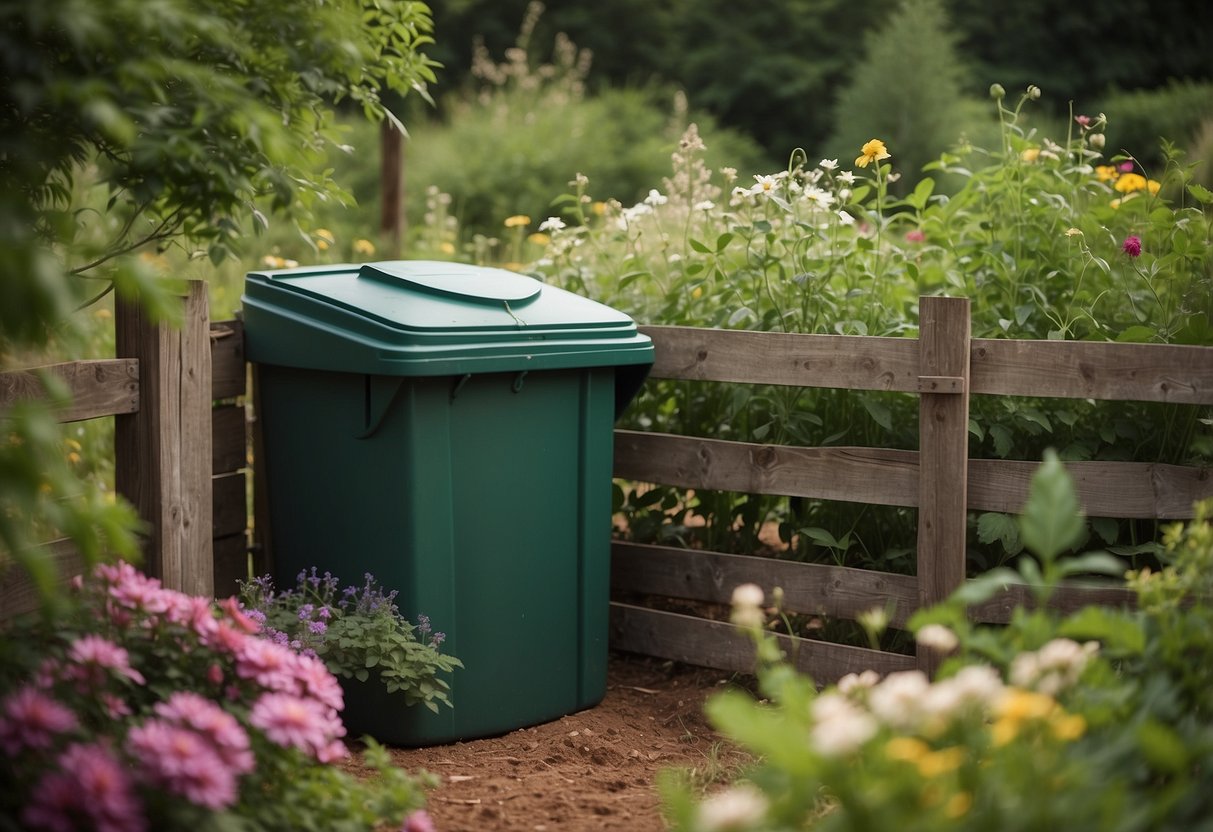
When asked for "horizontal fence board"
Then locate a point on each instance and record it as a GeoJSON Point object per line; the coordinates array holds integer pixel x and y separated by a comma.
{"type": "Point", "coordinates": [231, 563]}
{"type": "Point", "coordinates": [229, 447]}
{"type": "Point", "coordinates": [230, 504]}
{"type": "Point", "coordinates": [851, 361]}
{"type": "Point", "coordinates": [18, 594]}
{"type": "Point", "coordinates": [1093, 370]}
{"type": "Point", "coordinates": [228, 378]}
{"type": "Point", "coordinates": [104, 387]}
{"type": "Point", "coordinates": [889, 477]}
{"type": "Point", "coordinates": [1066, 599]}
{"type": "Point", "coordinates": [864, 475]}
{"type": "Point", "coordinates": [1105, 489]}
{"type": "Point", "coordinates": [808, 588]}
{"type": "Point", "coordinates": [720, 645]}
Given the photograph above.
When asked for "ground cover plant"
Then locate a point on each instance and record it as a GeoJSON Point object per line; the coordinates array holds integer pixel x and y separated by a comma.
{"type": "Point", "coordinates": [1098, 720]}
{"type": "Point", "coordinates": [145, 709]}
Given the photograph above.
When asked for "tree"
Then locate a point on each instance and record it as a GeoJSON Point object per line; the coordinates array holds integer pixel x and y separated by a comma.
{"type": "Point", "coordinates": [907, 91]}
{"type": "Point", "coordinates": [131, 126]}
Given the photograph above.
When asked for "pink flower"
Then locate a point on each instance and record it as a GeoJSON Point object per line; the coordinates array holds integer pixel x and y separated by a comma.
{"type": "Point", "coordinates": [915, 236]}
{"type": "Point", "coordinates": [183, 762]}
{"type": "Point", "coordinates": [88, 782]}
{"type": "Point", "coordinates": [1132, 245]}
{"type": "Point", "coordinates": [215, 725]}
{"type": "Point", "coordinates": [317, 682]}
{"type": "Point", "coordinates": [270, 665]}
{"type": "Point", "coordinates": [1083, 121]}
{"type": "Point", "coordinates": [31, 719]}
{"type": "Point", "coordinates": [1125, 167]}
{"type": "Point", "coordinates": [232, 607]}
{"type": "Point", "coordinates": [131, 589]}
{"type": "Point", "coordinates": [295, 722]}
{"type": "Point", "coordinates": [225, 638]}
{"type": "Point", "coordinates": [418, 821]}
{"type": "Point", "coordinates": [92, 653]}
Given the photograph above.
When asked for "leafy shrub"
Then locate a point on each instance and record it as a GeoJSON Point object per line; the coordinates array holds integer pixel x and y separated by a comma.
{"type": "Point", "coordinates": [356, 631]}
{"type": "Point", "coordinates": [145, 708]}
{"type": "Point", "coordinates": [1099, 720]}
{"type": "Point", "coordinates": [1144, 118]}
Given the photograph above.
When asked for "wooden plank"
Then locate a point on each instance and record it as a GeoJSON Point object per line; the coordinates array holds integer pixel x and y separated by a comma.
{"type": "Point", "coordinates": [19, 595]}
{"type": "Point", "coordinates": [720, 645]}
{"type": "Point", "coordinates": [943, 437]}
{"type": "Point", "coordinates": [808, 588]}
{"type": "Point", "coordinates": [227, 359]}
{"type": "Point", "coordinates": [229, 445]}
{"type": "Point", "coordinates": [844, 361]}
{"type": "Point", "coordinates": [1105, 489]}
{"type": "Point", "coordinates": [863, 475]}
{"type": "Point", "coordinates": [1066, 599]}
{"type": "Point", "coordinates": [230, 513]}
{"type": "Point", "coordinates": [163, 452]}
{"type": "Point", "coordinates": [104, 387]}
{"type": "Point", "coordinates": [231, 563]}
{"type": "Point", "coordinates": [1093, 370]}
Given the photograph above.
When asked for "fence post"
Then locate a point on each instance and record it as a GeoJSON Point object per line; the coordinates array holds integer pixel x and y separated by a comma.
{"type": "Point", "coordinates": [162, 453]}
{"type": "Point", "coordinates": [943, 431]}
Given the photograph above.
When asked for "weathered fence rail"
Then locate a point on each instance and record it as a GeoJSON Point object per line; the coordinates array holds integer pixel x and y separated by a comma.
{"type": "Point", "coordinates": [179, 436]}
{"type": "Point", "coordinates": [944, 365]}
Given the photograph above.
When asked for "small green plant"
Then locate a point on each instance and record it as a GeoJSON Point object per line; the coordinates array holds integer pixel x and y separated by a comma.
{"type": "Point", "coordinates": [358, 632]}
{"type": "Point", "coordinates": [1098, 720]}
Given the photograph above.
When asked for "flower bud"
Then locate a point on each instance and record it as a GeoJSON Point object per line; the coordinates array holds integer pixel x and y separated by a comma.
{"type": "Point", "coordinates": [997, 92]}
{"type": "Point", "coordinates": [1033, 92]}
{"type": "Point", "coordinates": [1096, 140]}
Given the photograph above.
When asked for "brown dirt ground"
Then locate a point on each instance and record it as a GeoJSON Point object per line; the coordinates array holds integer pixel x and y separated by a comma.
{"type": "Point", "coordinates": [593, 770]}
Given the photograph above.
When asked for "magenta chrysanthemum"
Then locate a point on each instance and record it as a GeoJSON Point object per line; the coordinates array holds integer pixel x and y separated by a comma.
{"type": "Point", "coordinates": [270, 665]}
{"type": "Point", "coordinates": [215, 725]}
{"type": "Point", "coordinates": [1132, 245]}
{"type": "Point", "coordinates": [29, 719]}
{"type": "Point", "coordinates": [295, 722]}
{"type": "Point", "coordinates": [90, 652]}
{"type": "Point", "coordinates": [88, 783]}
{"type": "Point", "coordinates": [316, 681]}
{"type": "Point", "coordinates": [184, 762]}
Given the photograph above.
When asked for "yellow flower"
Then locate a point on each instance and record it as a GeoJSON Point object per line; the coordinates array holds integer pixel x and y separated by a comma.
{"type": "Point", "coordinates": [447, 248]}
{"type": "Point", "coordinates": [1003, 731]}
{"type": "Point", "coordinates": [514, 267]}
{"type": "Point", "coordinates": [1022, 705]}
{"type": "Point", "coordinates": [72, 444]}
{"type": "Point", "coordinates": [1130, 182]}
{"type": "Point", "coordinates": [906, 749]}
{"type": "Point", "coordinates": [364, 247]}
{"type": "Point", "coordinates": [958, 804]}
{"type": "Point", "coordinates": [1073, 232]}
{"type": "Point", "coordinates": [1153, 186]}
{"type": "Point", "coordinates": [539, 239]}
{"type": "Point", "coordinates": [73, 458]}
{"type": "Point", "coordinates": [599, 208]}
{"type": "Point", "coordinates": [1030, 155]}
{"type": "Point", "coordinates": [103, 314]}
{"type": "Point", "coordinates": [1106, 173]}
{"type": "Point", "coordinates": [517, 221]}
{"type": "Point", "coordinates": [324, 238]}
{"type": "Point", "coordinates": [1068, 727]}
{"type": "Point", "coordinates": [940, 762]}
{"type": "Point", "coordinates": [873, 151]}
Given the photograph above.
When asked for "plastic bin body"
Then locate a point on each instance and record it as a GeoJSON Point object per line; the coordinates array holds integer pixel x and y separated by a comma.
{"type": "Point", "coordinates": [482, 497]}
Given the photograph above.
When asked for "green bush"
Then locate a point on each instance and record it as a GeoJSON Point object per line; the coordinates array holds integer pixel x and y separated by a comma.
{"type": "Point", "coordinates": [1145, 118]}
{"type": "Point", "coordinates": [1099, 720]}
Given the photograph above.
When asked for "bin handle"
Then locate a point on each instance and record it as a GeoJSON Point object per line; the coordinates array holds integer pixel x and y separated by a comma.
{"type": "Point", "coordinates": [374, 420]}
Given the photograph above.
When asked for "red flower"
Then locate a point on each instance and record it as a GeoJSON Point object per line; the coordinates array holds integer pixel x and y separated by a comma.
{"type": "Point", "coordinates": [1132, 245]}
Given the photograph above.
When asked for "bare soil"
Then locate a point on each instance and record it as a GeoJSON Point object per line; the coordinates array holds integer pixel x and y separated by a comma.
{"type": "Point", "coordinates": [593, 770]}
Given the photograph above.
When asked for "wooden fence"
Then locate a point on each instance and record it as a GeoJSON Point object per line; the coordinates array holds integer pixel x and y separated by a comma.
{"type": "Point", "coordinates": [176, 396]}
{"type": "Point", "coordinates": [943, 366]}
{"type": "Point", "coordinates": [188, 477]}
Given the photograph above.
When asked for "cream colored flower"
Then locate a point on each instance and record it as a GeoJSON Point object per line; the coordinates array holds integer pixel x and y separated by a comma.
{"type": "Point", "coordinates": [732, 810]}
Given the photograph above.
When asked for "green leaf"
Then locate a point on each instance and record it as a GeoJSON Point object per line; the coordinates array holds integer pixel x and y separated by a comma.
{"type": "Point", "coordinates": [1003, 440]}
{"type": "Point", "coordinates": [1162, 747]}
{"type": "Point", "coordinates": [1107, 529]}
{"type": "Point", "coordinates": [698, 246]}
{"type": "Point", "coordinates": [1201, 193]}
{"type": "Point", "coordinates": [879, 412]}
{"type": "Point", "coordinates": [1052, 520]}
{"type": "Point", "coordinates": [993, 526]}
{"type": "Point", "coordinates": [1116, 629]}
{"type": "Point", "coordinates": [821, 537]}
{"type": "Point", "coordinates": [985, 586]}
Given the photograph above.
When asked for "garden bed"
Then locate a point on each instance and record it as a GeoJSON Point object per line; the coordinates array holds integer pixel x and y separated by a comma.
{"type": "Point", "coordinates": [591, 770]}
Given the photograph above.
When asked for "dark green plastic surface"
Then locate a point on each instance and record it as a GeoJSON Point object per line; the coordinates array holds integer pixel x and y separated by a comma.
{"type": "Point", "coordinates": [483, 497]}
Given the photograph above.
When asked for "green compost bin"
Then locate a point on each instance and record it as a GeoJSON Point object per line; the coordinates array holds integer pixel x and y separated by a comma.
{"type": "Point", "coordinates": [448, 428]}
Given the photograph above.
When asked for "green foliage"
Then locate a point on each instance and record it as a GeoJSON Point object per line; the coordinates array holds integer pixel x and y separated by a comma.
{"type": "Point", "coordinates": [1097, 721]}
{"type": "Point", "coordinates": [1145, 118]}
{"type": "Point", "coordinates": [358, 632]}
{"type": "Point", "coordinates": [909, 90]}
{"type": "Point", "coordinates": [128, 128]}
{"type": "Point", "coordinates": [509, 147]}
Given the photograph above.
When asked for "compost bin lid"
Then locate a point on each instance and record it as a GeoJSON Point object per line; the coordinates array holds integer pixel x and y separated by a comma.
{"type": "Point", "coordinates": [428, 318]}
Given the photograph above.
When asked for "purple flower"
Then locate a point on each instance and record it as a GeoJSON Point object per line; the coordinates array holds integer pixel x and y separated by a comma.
{"type": "Point", "coordinates": [437, 640]}
{"type": "Point", "coordinates": [184, 762]}
{"type": "Point", "coordinates": [93, 653]}
{"type": "Point", "coordinates": [219, 728]}
{"type": "Point", "coordinates": [317, 628]}
{"type": "Point", "coordinates": [296, 722]}
{"type": "Point", "coordinates": [418, 821]}
{"type": "Point", "coordinates": [1132, 245]}
{"type": "Point", "coordinates": [88, 782]}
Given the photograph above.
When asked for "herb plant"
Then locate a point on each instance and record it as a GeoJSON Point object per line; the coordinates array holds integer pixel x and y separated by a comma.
{"type": "Point", "coordinates": [358, 632]}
